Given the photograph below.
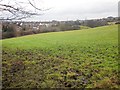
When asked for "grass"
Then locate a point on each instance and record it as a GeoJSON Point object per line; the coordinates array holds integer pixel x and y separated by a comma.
{"type": "Point", "coordinates": [76, 59]}
{"type": "Point", "coordinates": [84, 27]}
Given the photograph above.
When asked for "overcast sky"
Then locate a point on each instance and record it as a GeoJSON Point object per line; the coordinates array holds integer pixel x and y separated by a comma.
{"type": "Point", "coordinates": [79, 9]}
{"type": "Point", "coordinates": [76, 9]}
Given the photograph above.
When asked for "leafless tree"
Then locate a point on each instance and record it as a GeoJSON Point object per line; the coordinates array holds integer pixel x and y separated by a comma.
{"type": "Point", "coordinates": [19, 9]}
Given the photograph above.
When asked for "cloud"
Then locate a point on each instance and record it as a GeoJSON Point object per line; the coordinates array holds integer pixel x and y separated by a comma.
{"type": "Point", "coordinates": [78, 9]}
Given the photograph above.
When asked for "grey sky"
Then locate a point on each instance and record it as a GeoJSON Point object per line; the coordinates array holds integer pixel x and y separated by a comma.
{"type": "Point", "coordinates": [81, 9]}
{"type": "Point", "coordinates": [74, 9]}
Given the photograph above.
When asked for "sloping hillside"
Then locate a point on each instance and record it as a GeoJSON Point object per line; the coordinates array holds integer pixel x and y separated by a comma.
{"type": "Point", "coordinates": [81, 58]}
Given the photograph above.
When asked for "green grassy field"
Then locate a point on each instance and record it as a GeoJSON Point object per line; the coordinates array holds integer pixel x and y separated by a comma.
{"type": "Point", "coordinates": [77, 59]}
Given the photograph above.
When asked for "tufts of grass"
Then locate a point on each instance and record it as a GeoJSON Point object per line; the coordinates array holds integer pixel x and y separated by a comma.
{"type": "Point", "coordinates": [70, 59]}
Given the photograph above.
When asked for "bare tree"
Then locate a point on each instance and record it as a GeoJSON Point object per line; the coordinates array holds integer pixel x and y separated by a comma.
{"type": "Point", "coordinates": [19, 9]}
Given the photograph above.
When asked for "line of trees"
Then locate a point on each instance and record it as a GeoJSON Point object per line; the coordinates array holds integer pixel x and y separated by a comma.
{"type": "Point", "coordinates": [10, 29]}
{"type": "Point", "coordinates": [15, 29]}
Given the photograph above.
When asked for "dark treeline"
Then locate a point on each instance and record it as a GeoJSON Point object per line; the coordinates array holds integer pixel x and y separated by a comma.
{"type": "Point", "coordinates": [16, 29]}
